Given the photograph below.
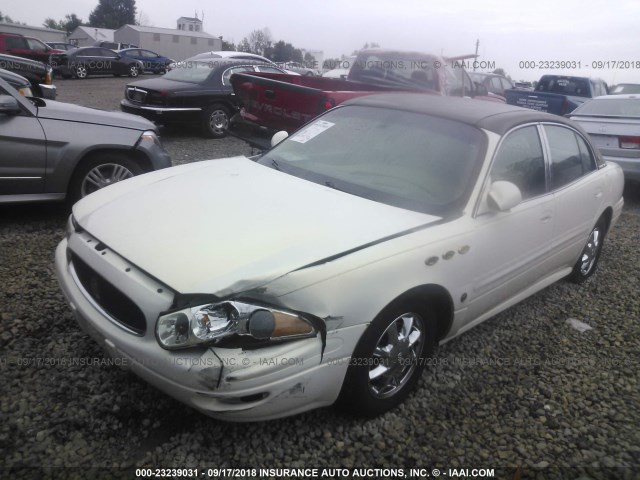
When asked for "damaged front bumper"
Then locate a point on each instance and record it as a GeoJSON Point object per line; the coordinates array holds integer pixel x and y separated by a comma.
{"type": "Point", "coordinates": [227, 383]}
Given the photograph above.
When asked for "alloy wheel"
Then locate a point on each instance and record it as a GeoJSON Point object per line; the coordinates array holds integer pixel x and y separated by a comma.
{"type": "Point", "coordinates": [396, 355]}
{"type": "Point", "coordinates": [590, 252]}
{"type": "Point", "coordinates": [102, 176]}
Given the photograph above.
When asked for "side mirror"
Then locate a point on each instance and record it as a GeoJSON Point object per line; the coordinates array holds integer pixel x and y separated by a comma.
{"type": "Point", "coordinates": [503, 196]}
{"type": "Point", "coordinates": [9, 105]}
{"type": "Point", "coordinates": [278, 137]}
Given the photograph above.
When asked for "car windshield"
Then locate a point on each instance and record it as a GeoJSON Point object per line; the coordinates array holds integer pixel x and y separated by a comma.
{"type": "Point", "coordinates": [578, 87]}
{"type": "Point", "coordinates": [477, 77]}
{"type": "Point", "coordinates": [610, 107]}
{"type": "Point", "coordinates": [195, 72]}
{"type": "Point", "coordinates": [397, 69]}
{"type": "Point", "coordinates": [408, 160]}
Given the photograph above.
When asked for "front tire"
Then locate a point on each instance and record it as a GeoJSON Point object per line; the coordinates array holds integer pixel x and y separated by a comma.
{"type": "Point", "coordinates": [101, 171]}
{"type": "Point", "coordinates": [215, 121]}
{"type": "Point", "coordinates": [388, 360]}
{"type": "Point", "coordinates": [588, 260]}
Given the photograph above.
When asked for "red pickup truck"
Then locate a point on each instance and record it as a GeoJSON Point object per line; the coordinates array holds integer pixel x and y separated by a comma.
{"type": "Point", "coordinates": [286, 102]}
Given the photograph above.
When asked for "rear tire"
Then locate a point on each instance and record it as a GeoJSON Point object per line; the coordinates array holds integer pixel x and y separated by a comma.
{"type": "Point", "coordinates": [134, 70]}
{"type": "Point", "coordinates": [215, 121]}
{"type": "Point", "coordinates": [388, 361]}
{"type": "Point", "coordinates": [588, 261]}
{"type": "Point", "coordinates": [102, 170]}
{"type": "Point", "coordinates": [81, 72]}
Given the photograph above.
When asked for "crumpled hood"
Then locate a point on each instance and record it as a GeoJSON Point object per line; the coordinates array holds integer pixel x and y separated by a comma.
{"type": "Point", "coordinates": [225, 226]}
{"type": "Point", "coordinates": [75, 113]}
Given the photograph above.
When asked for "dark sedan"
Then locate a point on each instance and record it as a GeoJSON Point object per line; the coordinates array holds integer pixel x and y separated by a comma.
{"type": "Point", "coordinates": [196, 92]}
{"type": "Point", "coordinates": [40, 75]}
{"type": "Point", "coordinates": [151, 61]}
{"type": "Point", "coordinates": [86, 61]}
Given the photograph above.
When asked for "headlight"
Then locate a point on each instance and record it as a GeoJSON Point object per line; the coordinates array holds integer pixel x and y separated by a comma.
{"type": "Point", "coordinates": [25, 92]}
{"type": "Point", "coordinates": [48, 76]}
{"type": "Point", "coordinates": [151, 137]}
{"type": "Point", "coordinates": [208, 324]}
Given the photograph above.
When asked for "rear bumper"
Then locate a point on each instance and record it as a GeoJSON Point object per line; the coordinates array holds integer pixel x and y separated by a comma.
{"type": "Point", "coordinates": [630, 166]}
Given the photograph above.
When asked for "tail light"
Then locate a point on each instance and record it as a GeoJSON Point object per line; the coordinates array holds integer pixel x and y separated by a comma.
{"type": "Point", "coordinates": [629, 142]}
{"type": "Point", "coordinates": [327, 104]}
{"type": "Point", "coordinates": [565, 107]}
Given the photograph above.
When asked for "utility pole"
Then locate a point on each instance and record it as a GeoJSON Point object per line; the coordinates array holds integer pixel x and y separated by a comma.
{"type": "Point", "coordinates": [474, 63]}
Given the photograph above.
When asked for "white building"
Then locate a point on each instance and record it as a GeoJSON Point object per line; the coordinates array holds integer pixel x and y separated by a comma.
{"type": "Point", "coordinates": [190, 24]}
{"type": "Point", "coordinates": [41, 33]}
{"type": "Point", "coordinates": [178, 44]}
{"type": "Point", "coordinates": [88, 36]}
{"type": "Point", "coordinates": [318, 55]}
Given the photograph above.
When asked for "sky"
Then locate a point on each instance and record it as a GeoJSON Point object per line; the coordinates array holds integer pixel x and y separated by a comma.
{"type": "Point", "coordinates": [570, 37]}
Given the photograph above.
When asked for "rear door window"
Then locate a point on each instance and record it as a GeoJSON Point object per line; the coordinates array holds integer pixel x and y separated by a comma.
{"type": "Point", "coordinates": [570, 156]}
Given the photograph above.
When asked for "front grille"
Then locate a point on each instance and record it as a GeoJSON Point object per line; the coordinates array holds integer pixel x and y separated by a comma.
{"type": "Point", "coordinates": [136, 94]}
{"type": "Point", "coordinates": [120, 307]}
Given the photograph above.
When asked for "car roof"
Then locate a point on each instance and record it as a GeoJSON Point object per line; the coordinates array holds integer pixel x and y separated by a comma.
{"type": "Point", "coordinates": [493, 116]}
{"type": "Point", "coordinates": [620, 96]}
{"type": "Point", "coordinates": [487, 74]}
{"type": "Point", "coordinates": [80, 49]}
{"type": "Point", "coordinates": [231, 61]}
{"type": "Point", "coordinates": [229, 55]}
{"type": "Point", "coordinates": [135, 48]}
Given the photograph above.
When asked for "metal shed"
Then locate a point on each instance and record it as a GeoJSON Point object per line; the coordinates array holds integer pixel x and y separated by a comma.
{"type": "Point", "coordinates": [41, 33]}
{"type": "Point", "coordinates": [170, 42]}
{"type": "Point", "coordinates": [88, 36]}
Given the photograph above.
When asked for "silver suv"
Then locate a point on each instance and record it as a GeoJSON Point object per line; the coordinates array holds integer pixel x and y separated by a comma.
{"type": "Point", "coordinates": [56, 151]}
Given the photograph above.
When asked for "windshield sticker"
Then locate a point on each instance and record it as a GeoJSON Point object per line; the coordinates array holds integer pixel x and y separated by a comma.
{"type": "Point", "coordinates": [312, 131]}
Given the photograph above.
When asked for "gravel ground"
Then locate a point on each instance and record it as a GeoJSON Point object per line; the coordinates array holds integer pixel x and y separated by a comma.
{"type": "Point", "coordinates": [523, 393]}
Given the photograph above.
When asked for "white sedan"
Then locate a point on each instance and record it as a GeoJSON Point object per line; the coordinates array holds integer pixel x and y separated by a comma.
{"type": "Point", "coordinates": [330, 267]}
